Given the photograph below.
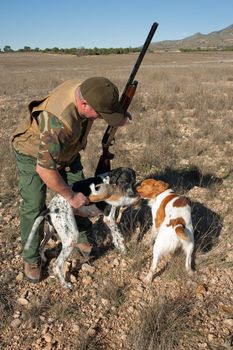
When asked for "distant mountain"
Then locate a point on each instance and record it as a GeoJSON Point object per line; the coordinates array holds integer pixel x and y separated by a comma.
{"type": "Point", "coordinates": [219, 39]}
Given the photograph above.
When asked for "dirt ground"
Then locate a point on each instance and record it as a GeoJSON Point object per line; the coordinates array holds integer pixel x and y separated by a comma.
{"type": "Point", "coordinates": [181, 133]}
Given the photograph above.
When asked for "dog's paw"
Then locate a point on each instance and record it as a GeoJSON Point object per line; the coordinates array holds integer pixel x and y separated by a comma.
{"type": "Point", "coordinates": [123, 250]}
{"type": "Point", "coordinates": [68, 285]}
{"type": "Point", "coordinates": [148, 279]}
{"type": "Point", "coordinates": [190, 272]}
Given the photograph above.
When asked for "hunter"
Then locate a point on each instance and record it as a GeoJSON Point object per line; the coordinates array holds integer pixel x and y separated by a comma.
{"type": "Point", "coordinates": [47, 149]}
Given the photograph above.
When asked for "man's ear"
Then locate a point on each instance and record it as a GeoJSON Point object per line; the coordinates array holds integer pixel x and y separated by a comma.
{"type": "Point", "coordinates": [83, 104]}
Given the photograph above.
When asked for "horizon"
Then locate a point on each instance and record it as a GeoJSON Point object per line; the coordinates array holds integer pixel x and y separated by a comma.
{"type": "Point", "coordinates": [21, 24]}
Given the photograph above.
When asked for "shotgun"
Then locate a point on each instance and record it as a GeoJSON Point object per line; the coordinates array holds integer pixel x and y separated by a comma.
{"type": "Point", "coordinates": [104, 163]}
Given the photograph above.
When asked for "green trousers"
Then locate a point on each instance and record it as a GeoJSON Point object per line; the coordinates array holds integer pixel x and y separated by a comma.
{"type": "Point", "coordinates": [33, 193]}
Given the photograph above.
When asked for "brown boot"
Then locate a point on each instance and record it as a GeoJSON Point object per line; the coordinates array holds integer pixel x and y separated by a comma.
{"type": "Point", "coordinates": [32, 272]}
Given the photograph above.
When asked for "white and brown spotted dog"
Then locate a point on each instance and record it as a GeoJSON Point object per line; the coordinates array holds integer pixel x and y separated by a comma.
{"type": "Point", "coordinates": [106, 193]}
{"type": "Point", "coordinates": [172, 224]}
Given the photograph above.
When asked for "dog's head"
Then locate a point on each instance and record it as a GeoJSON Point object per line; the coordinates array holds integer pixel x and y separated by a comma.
{"type": "Point", "coordinates": [150, 188]}
{"type": "Point", "coordinates": [125, 179]}
{"type": "Point", "coordinates": [124, 192]}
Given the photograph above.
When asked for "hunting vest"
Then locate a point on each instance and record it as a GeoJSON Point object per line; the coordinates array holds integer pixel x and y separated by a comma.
{"type": "Point", "coordinates": [61, 103]}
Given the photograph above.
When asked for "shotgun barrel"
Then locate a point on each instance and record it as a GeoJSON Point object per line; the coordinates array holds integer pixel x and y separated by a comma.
{"type": "Point", "coordinates": [104, 163]}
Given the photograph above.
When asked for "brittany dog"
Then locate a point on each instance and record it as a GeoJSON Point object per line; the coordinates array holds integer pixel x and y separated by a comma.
{"type": "Point", "coordinates": [106, 193]}
{"type": "Point", "coordinates": [172, 224]}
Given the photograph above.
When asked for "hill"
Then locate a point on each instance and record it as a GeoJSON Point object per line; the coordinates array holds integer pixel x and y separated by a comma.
{"type": "Point", "coordinates": [219, 39]}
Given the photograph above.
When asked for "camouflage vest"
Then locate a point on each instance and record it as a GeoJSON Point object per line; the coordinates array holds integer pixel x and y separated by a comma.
{"type": "Point", "coordinates": [61, 103]}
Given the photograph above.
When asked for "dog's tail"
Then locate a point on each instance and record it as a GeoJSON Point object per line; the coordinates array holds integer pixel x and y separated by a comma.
{"type": "Point", "coordinates": [181, 232]}
{"type": "Point", "coordinates": [179, 226]}
{"type": "Point", "coordinates": [35, 226]}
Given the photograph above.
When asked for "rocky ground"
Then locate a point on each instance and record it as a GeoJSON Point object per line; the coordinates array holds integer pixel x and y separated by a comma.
{"type": "Point", "coordinates": [110, 307]}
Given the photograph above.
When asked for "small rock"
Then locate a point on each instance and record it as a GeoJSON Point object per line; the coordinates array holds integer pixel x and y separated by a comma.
{"type": "Point", "coordinates": [73, 279]}
{"type": "Point", "coordinates": [87, 280]}
{"type": "Point", "coordinates": [19, 277]}
{"type": "Point", "coordinates": [24, 294]}
{"type": "Point", "coordinates": [116, 262]}
{"type": "Point", "coordinates": [211, 337]}
{"type": "Point", "coordinates": [76, 328]}
{"type": "Point", "coordinates": [48, 346]}
{"type": "Point", "coordinates": [229, 257]}
{"type": "Point", "coordinates": [74, 263]}
{"type": "Point", "coordinates": [48, 338]}
{"type": "Point", "coordinates": [202, 345]}
{"type": "Point", "coordinates": [45, 330]}
{"type": "Point", "coordinates": [113, 308]}
{"type": "Point", "coordinates": [91, 332]}
{"type": "Point", "coordinates": [123, 336]}
{"type": "Point", "coordinates": [130, 309]}
{"type": "Point", "coordinates": [23, 301]}
{"type": "Point", "coordinates": [88, 268]}
{"type": "Point", "coordinates": [201, 289]}
{"type": "Point", "coordinates": [16, 314]}
{"type": "Point", "coordinates": [123, 264]}
{"type": "Point", "coordinates": [134, 293]}
{"type": "Point", "coordinates": [228, 322]}
{"type": "Point", "coordinates": [139, 289]}
{"type": "Point", "coordinates": [16, 323]}
{"type": "Point", "coordinates": [105, 302]}
{"type": "Point", "coordinates": [226, 308]}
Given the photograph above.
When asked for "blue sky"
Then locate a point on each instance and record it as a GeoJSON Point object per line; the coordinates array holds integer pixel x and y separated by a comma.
{"type": "Point", "coordinates": [106, 23]}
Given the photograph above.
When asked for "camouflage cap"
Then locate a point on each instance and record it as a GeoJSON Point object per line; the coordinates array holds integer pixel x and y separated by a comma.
{"type": "Point", "coordinates": [103, 96]}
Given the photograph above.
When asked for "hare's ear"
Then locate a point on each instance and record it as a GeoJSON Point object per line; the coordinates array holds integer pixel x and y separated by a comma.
{"type": "Point", "coordinates": [106, 180]}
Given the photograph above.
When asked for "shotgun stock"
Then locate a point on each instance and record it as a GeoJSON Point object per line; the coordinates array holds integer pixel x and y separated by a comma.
{"type": "Point", "coordinates": [104, 163]}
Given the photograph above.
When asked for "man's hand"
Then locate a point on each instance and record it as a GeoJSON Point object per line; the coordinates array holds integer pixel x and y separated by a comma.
{"type": "Point", "coordinates": [126, 120]}
{"type": "Point", "coordinates": [55, 182]}
{"type": "Point", "coordinates": [77, 200]}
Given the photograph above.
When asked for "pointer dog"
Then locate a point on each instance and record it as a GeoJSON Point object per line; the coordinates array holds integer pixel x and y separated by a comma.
{"type": "Point", "coordinates": [106, 192]}
{"type": "Point", "coordinates": [172, 225]}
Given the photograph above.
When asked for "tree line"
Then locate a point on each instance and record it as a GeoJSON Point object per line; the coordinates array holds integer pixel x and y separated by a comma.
{"type": "Point", "coordinates": [80, 51]}
{"type": "Point", "coordinates": [198, 49]}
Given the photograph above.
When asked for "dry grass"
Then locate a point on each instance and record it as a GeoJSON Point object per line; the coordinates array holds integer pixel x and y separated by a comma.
{"type": "Point", "coordinates": [163, 325]}
{"type": "Point", "coordinates": [37, 309]}
{"type": "Point", "coordinates": [174, 109]}
{"type": "Point", "coordinates": [112, 292]}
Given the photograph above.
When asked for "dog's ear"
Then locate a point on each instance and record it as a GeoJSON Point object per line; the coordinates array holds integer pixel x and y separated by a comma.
{"type": "Point", "coordinates": [153, 186]}
{"type": "Point", "coordinates": [114, 175]}
{"type": "Point", "coordinates": [133, 175]}
{"type": "Point", "coordinates": [106, 180]}
{"type": "Point", "coordinates": [159, 187]}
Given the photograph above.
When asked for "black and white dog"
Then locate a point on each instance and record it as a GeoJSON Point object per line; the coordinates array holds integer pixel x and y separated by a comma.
{"type": "Point", "coordinates": [106, 193]}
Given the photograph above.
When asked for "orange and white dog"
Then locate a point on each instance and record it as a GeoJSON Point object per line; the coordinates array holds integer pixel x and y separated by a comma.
{"type": "Point", "coordinates": [172, 224]}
